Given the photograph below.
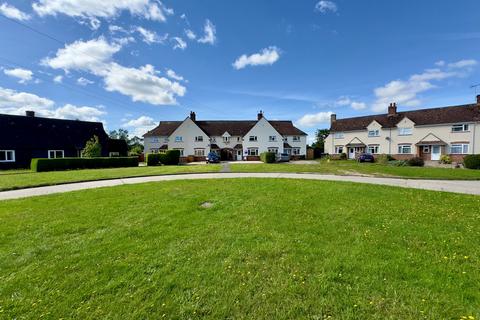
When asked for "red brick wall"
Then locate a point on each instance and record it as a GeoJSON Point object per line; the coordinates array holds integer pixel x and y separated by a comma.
{"type": "Point", "coordinates": [253, 158]}
{"type": "Point", "coordinates": [457, 157]}
{"type": "Point", "coordinates": [402, 156]}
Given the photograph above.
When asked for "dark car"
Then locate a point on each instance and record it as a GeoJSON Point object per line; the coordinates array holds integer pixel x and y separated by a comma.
{"type": "Point", "coordinates": [366, 157]}
{"type": "Point", "coordinates": [212, 157]}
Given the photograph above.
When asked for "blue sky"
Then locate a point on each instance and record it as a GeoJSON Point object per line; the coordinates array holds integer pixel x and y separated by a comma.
{"type": "Point", "coordinates": [133, 64]}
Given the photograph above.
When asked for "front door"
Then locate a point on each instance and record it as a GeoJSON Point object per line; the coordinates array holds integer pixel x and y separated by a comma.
{"type": "Point", "coordinates": [436, 153]}
{"type": "Point", "coordinates": [351, 153]}
{"type": "Point", "coordinates": [239, 155]}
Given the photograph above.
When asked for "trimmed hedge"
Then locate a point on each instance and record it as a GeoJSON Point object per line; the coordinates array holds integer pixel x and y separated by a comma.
{"type": "Point", "coordinates": [171, 157]}
{"type": "Point", "coordinates": [267, 157]}
{"type": "Point", "coordinates": [472, 161]}
{"type": "Point", "coordinates": [416, 162]}
{"type": "Point", "coordinates": [59, 164]}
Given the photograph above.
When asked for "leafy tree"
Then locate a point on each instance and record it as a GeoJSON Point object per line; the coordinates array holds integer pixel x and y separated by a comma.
{"type": "Point", "coordinates": [93, 148]}
{"type": "Point", "coordinates": [320, 136]}
{"type": "Point", "coordinates": [135, 144]}
{"type": "Point", "coordinates": [119, 134]}
{"type": "Point", "coordinates": [135, 149]}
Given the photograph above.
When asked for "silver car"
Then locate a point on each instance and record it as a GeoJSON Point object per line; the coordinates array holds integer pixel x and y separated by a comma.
{"type": "Point", "coordinates": [283, 157]}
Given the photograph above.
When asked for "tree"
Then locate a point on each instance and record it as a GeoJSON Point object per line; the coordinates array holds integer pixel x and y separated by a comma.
{"type": "Point", "coordinates": [120, 134]}
{"type": "Point", "coordinates": [93, 148]}
{"type": "Point", "coordinates": [320, 136]}
{"type": "Point", "coordinates": [135, 144]}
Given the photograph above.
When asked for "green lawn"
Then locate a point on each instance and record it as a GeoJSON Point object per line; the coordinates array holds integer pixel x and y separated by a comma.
{"type": "Point", "coordinates": [25, 179]}
{"type": "Point", "coordinates": [353, 167]}
{"type": "Point", "coordinates": [267, 249]}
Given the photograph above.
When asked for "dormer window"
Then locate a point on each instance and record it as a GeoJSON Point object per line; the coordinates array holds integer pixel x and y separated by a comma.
{"type": "Point", "coordinates": [404, 131]}
{"type": "Point", "coordinates": [460, 127]}
{"type": "Point", "coordinates": [374, 133]}
{"type": "Point", "coordinates": [296, 138]}
{"type": "Point", "coordinates": [226, 139]}
{"type": "Point", "coordinates": [199, 139]}
{"type": "Point", "coordinates": [272, 138]}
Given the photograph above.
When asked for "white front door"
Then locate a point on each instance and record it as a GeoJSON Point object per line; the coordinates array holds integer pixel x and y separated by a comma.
{"type": "Point", "coordinates": [436, 153]}
{"type": "Point", "coordinates": [239, 155]}
{"type": "Point", "coordinates": [351, 153]}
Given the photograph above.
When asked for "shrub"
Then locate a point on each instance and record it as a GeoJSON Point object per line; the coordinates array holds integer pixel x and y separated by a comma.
{"type": "Point", "coordinates": [343, 156]}
{"type": "Point", "coordinates": [416, 162]}
{"type": "Point", "coordinates": [171, 157]}
{"type": "Point", "coordinates": [59, 164]}
{"type": "Point", "coordinates": [153, 159]}
{"type": "Point", "coordinates": [398, 163]}
{"type": "Point", "coordinates": [472, 161]}
{"type": "Point", "coordinates": [383, 158]}
{"type": "Point", "coordinates": [445, 159]}
{"type": "Point", "coordinates": [93, 148]}
{"type": "Point", "coordinates": [267, 157]}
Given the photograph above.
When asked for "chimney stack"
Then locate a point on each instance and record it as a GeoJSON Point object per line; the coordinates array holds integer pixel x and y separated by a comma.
{"type": "Point", "coordinates": [333, 118]}
{"type": "Point", "coordinates": [478, 99]}
{"type": "Point", "coordinates": [30, 113]}
{"type": "Point", "coordinates": [193, 116]}
{"type": "Point", "coordinates": [392, 109]}
{"type": "Point", "coordinates": [260, 115]}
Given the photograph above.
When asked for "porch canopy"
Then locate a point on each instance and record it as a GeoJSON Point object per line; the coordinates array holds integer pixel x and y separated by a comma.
{"type": "Point", "coordinates": [286, 145]}
{"type": "Point", "coordinates": [214, 146]}
{"type": "Point", "coordinates": [238, 146]}
{"type": "Point", "coordinates": [431, 140]}
{"type": "Point", "coordinates": [355, 142]}
{"type": "Point", "coordinates": [163, 147]}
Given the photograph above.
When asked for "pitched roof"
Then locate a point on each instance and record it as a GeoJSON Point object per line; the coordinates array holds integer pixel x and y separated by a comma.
{"type": "Point", "coordinates": [40, 133]}
{"type": "Point", "coordinates": [219, 127]}
{"type": "Point", "coordinates": [453, 114]}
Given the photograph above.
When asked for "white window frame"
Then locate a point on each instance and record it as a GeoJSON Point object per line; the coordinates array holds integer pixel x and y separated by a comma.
{"type": "Point", "coordinates": [405, 131]}
{"type": "Point", "coordinates": [178, 139]}
{"type": "Point", "coordinates": [273, 149]}
{"type": "Point", "coordinates": [56, 157]}
{"type": "Point", "coordinates": [339, 149]}
{"type": "Point", "coordinates": [252, 151]}
{"type": "Point", "coordinates": [296, 151]}
{"type": "Point", "coordinates": [374, 133]}
{"type": "Point", "coordinates": [199, 152]}
{"type": "Point", "coordinates": [374, 147]}
{"type": "Point", "coordinates": [426, 149]}
{"type": "Point", "coordinates": [402, 147]}
{"type": "Point", "coordinates": [198, 138]}
{"type": "Point", "coordinates": [213, 139]}
{"type": "Point", "coordinates": [253, 138]}
{"type": "Point", "coordinates": [338, 135]}
{"type": "Point", "coordinates": [154, 140]}
{"type": "Point", "coordinates": [114, 154]}
{"type": "Point", "coordinates": [464, 127]}
{"type": "Point", "coordinates": [181, 151]}
{"type": "Point", "coordinates": [463, 148]}
{"type": "Point", "coordinates": [226, 139]}
{"type": "Point", "coordinates": [296, 139]}
{"type": "Point", "coordinates": [272, 138]}
{"type": "Point", "coordinates": [12, 152]}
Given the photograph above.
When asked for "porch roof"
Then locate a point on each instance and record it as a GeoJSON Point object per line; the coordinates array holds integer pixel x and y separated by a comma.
{"type": "Point", "coordinates": [286, 145]}
{"type": "Point", "coordinates": [431, 143]}
{"type": "Point", "coordinates": [238, 146]}
{"type": "Point", "coordinates": [163, 147]}
{"type": "Point", "coordinates": [214, 146]}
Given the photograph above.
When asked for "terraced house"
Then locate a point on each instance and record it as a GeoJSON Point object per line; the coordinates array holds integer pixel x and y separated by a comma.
{"type": "Point", "coordinates": [231, 139]}
{"type": "Point", "coordinates": [426, 133]}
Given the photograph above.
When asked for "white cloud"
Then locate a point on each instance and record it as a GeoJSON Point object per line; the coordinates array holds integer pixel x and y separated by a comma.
{"type": "Point", "coordinates": [406, 91]}
{"type": "Point", "coordinates": [149, 36]}
{"type": "Point", "coordinates": [343, 101]}
{"type": "Point", "coordinates": [347, 101]}
{"type": "Point", "coordinates": [172, 75]}
{"type": "Point", "coordinates": [358, 105]}
{"type": "Point", "coordinates": [267, 56]}
{"type": "Point", "coordinates": [209, 33]}
{"type": "Point", "coordinates": [310, 120]}
{"type": "Point", "coordinates": [440, 63]}
{"type": "Point", "coordinates": [114, 29]}
{"type": "Point", "coordinates": [13, 13]}
{"type": "Point", "coordinates": [80, 55]}
{"type": "Point", "coordinates": [84, 113]}
{"type": "Point", "coordinates": [179, 43]}
{"type": "Point", "coordinates": [23, 75]}
{"type": "Point", "coordinates": [190, 34]}
{"type": "Point", "coordinates": [142, 84]}
{"type": "Point", "coordinates": [58, 79]}
{"type": "Point", "coordinates": [83, 81]}
{"type": "Point", "coordinates": [324, 6]}
{"type": "Point", "coordinates": [106, 9]}
{"type": "Point", "coordinates": [141, 125]}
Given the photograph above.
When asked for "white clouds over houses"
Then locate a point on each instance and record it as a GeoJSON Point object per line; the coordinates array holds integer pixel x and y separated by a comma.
{"type": "Point", "coordinates": [23, 75]}
{"type": "Point", "coordinates": [172, 75]}
{"type": "Point", "coordinates": [84, 113]}
{"type": "Point", "coordinates": [13, 13]}
{"type": "Point", "coordinates": [325, 6]}
{"type": "Point", "coordinates": [346, 101]}
{"type": "Point", "coordinates": [311, 120]}
{"type": "Point", "coordinates": [210, 33]}
{"type": "Point", "coordinates": [267, 56]}
{"type": "Point", "coordinates": [140, 125]}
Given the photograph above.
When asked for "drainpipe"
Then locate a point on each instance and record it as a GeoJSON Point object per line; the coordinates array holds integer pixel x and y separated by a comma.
{"type": "Point", "coordinates": [473, 138]}
{"type": "Point", "coordinates": [390, 142]}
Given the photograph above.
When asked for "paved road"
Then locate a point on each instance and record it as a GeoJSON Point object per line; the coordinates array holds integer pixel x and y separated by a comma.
{"type": "Point", "coordinates": [457, 186]}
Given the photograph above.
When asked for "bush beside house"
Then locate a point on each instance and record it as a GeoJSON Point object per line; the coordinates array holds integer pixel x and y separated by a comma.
{"type": "Point", "coordinates": [267, 157]}
{"type": "Point", "coordinates": [171, 157]}
{"type": "Point", "coordinates": [472, 161]}
{"type": "Point", "coordinates": [59, 164]}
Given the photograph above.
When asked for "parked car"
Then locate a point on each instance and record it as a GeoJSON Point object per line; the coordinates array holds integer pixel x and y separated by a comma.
{"type": "Point", "coordinates": [212, 157]}
{"type": "Point", "coordinates": [282, 157]}
{"type": "Point", "coordinates": [366, 157]}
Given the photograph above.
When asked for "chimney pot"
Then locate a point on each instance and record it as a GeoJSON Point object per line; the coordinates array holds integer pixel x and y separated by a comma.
{"type": "Point", "coordinates": [193, 116]}
{"type": "Point", "coordinates": [260, 115]}
{"type": "Point", "coordinates": [392, 109]}
{"type": "Point", "coordinates": [333, 118]}
{"type": "Point", "coordinates": [30, 113]}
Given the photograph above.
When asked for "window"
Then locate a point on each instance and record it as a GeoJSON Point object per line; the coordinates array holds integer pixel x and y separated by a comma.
{"type": "Point", "coordinates": [198, 138]}
{"type": "Point", "coordinates": [338, 149]}
{"type": "Point", "coordinates": [181, 151]}
{"type": "Point", "coordinates": [287, 151]}
{"type": "Point", "coordinates": [252, 151]}
{"type": "Point", "coordinates": [178, 139]}
{"type": "Point", "coordinates": [199, 152]}
{"type": "Point", "coordinates": [274, 150]}
{"type": "Point", "coordinates": [252, 138]}
{"type": "Point", "coordinates": [239, 139]}
{"type": "Point", "coordinates": [213, 139]}
{"type": "Point", "coordinates": [373, 149]}
{"type": "Point", "coordinates": [165, 139]}
{"type": "Point", "coordinates": [374, 133]}
{"type": "Point", "coordinates": [52, 154]}
{"type": "Point", "coordinates": [295, 151]}
{"type": "Point", "coordinates": [114, 154]}
{"type": "Point", "coordinates": [338, 135]}
{"type": "Point", "coordinates": [226, 139]}
{"type": "Point", "coordinates": [426, 149]}
{"type": "Point", "coordinates": [296, 138]}
{"type": "Point", "coordinates": [459, 148]}
{"type": "Point", "coordinates": [404, 131]}
{"type": "Point", "coordinates": [7, 155]}
{"type": "Point", "coordinates": [272, 138]}
{"type": "Point", "coordinates": [460, 127]}
{"type": "Point", "coordinates": [404, 148]}
{"type": "Point", "coordinates": [154, 140]}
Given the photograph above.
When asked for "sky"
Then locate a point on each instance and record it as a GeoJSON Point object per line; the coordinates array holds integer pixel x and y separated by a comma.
{"type": "Point", "coordinates": [131, 64]}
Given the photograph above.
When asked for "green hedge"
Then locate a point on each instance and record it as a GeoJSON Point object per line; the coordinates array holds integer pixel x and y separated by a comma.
{"type": "Point", "coordinates": [416, 162]}
{"type": "Point", "coordinates": [171, 157]}
{"type": "Point", "coordinates": [472, 161]}
{"type": "Point", "coordinates": [59, 164]}
{"type": "Point", "coordinates": [267, 157]}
